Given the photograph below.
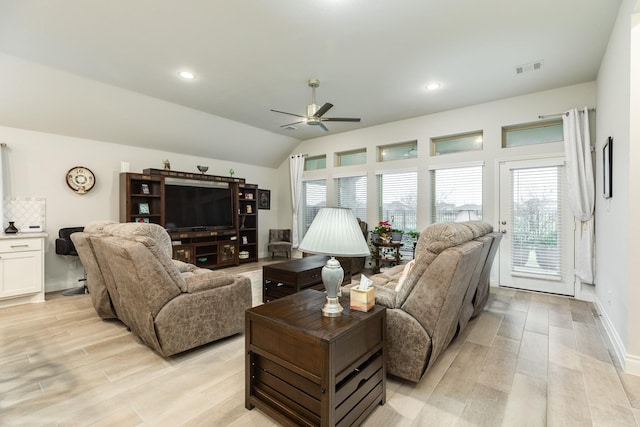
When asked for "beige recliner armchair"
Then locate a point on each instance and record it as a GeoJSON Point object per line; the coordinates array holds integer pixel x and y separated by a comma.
{"type": "Point", "coordinates": [170, 305]}
{"type": "Point", "coordinates": [430, 303]}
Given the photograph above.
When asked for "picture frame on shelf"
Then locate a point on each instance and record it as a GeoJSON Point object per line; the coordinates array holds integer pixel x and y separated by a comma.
{"type": "Point", "coordinates": [245, 240]}
{"type": "Point", "coordinates": [249, 209]}
{"type": "Point", "coordinates": [143, 208]}
{"type": "Point", "coordinates": [141, 220]}
{"type": "Point", "coordinates": [144, 188]}
{"type": "Point", "coordinates": [248, 196]}
{"type": "Point", "coordinates": [607, 169]}
{"type": "Point", "coordinates": [264, 199]}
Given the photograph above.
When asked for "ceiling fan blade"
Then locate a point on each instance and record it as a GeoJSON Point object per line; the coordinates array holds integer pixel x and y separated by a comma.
{"type": "Point", "coordinates": [284, 112]}
{"type": "Point", "coordinates": [294, 123]}
{"type": "Point", "coordinates": [326, 107]}
{"type": "Point", "coordinates": [340, 119]}
{"type": "Point", "coordinates": [323, 127]}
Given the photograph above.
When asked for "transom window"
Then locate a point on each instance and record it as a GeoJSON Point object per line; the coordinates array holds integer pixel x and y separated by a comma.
{"type": "Point", "coordinates": [532, 133]}
{"type": "Point", "coordinates": [350, 158]}
{"type": "Point", "coordinates": [471, 141]}
{"type": "Point", "coordinates": [315, 162]}
{"type": "Point", "coordinates": [400, 151]}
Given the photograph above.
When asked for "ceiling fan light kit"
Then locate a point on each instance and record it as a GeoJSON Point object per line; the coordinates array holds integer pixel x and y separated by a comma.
{"type": "Point", "coordinates": [315, 115]}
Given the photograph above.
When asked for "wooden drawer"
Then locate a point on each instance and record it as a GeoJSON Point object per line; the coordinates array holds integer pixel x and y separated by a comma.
{"type": "Point", "coordinates": [311, 277]}
{"type": "Point", "coordinates": [20, 245]}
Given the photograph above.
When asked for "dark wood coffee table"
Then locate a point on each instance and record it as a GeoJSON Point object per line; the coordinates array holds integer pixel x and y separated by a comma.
{"type": "Point", "coordinates": [286, 278]}
{"type": "Point", "coordinates": [304, 369]}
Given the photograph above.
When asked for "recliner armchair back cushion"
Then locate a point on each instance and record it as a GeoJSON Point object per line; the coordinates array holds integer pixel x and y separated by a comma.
{"type": "Point", "coordinates": [131, 230]}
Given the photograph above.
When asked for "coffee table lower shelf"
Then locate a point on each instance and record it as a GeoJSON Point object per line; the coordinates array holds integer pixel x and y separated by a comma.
{"type": "Point", "coordinates": [306, 369]}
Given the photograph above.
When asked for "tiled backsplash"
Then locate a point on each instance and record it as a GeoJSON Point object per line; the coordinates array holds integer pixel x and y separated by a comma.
{"type": "Point", "coordinates": [24, 212]}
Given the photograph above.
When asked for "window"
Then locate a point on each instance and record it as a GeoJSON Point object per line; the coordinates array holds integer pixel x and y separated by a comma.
{"type": "Point", "coordinates": [456, 194]}
{"type": "Point", "coordinates": [351, 192]}
{"type": "Point", "coordinates": [397, 202]}
{"type": "Point", "coordinates": [471, 141]}
{"type": "Point", "coordinates": [403, 150]}
{"type": "Point", "coordinates": [314, 197]}
{"type": "Point", "coordinates": [349, 158]}
{"type": "Point", "coordinates": [532, 133]}
{"type": "Point", "coordinates": [316, 162]}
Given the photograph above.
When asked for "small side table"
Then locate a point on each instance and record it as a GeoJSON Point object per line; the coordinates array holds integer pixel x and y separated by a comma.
{"type": "Point", "coordinates": [393, 245]}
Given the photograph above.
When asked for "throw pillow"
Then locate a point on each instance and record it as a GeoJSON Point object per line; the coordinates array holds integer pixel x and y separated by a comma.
{"type": "Point", "coordinates": [405, 273]}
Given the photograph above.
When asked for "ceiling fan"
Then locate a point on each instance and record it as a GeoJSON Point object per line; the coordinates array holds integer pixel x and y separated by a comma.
{"type": "Point", "coordinates": [315, 115]}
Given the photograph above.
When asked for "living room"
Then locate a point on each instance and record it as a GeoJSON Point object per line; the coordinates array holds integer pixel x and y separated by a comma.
{"type": "Point", "coordinates": [36, 160]}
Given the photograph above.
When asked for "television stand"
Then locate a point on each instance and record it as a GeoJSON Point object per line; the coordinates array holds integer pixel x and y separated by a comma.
{"type": "Point", "coordinates": [206, 249]}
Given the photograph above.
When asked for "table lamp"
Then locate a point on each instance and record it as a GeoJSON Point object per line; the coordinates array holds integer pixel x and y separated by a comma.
{"type": "Point", "coordinates": [334, 232]}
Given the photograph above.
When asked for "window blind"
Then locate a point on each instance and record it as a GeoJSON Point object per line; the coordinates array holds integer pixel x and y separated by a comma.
{"type": "Point", "coordinates": [352, 193]}
{"type": "Point", "coordinates": [314, 197]}
{"type": "Point", "coordinates": [456, 194]}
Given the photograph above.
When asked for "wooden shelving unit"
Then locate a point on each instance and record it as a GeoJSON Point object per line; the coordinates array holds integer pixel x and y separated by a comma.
{"type": "Point", "coordinates": [248, 221]}
{"type": "Point", "coordinates": [142, 199]}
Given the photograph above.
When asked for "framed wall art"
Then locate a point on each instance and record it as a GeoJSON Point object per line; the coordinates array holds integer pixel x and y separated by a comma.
{"type": "Point", "coordinates": [264, 199]}
{"type": "Point", "coordinates": [607, 169]}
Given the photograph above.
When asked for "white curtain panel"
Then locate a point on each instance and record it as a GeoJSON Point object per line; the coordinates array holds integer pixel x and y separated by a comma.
{"type": "Point", "coordinates": [579, 167]}
{"type": "Point", "coordinates": [296, 167]}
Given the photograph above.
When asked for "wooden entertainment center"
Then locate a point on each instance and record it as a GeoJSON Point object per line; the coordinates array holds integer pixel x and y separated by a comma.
{"type": "Point", "coordinates": [142, 199]}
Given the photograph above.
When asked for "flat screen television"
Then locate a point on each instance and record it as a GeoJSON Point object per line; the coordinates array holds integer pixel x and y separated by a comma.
{"type": "Point", "coordinates": [197, 206]}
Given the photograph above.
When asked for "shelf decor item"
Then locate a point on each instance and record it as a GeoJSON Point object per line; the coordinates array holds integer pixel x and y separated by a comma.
{"type": "Point", "coordinates": [264, 199]}
{"type": "Point", "coordinates": [334, 232]}
{"type": "Point", "coordinates": [11, 229]}
{"type": "Point", "coordinates": [144, 188]}
{"type": "Point", "coordinates": [203, 169]}
{"type": "Point", "coordinates": [143, 208]}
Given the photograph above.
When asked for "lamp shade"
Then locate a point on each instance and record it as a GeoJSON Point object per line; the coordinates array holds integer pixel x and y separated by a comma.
{"type": "Point", "coordinates": [335, 232]}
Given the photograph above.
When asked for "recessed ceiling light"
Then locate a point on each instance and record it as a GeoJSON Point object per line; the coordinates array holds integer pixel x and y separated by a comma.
{"type": "Point", "coordinates": [187, 75]}
{"type": "Point", "coordinates": [432, 86]}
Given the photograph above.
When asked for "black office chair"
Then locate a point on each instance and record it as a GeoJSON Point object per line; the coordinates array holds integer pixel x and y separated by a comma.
{"type": "Point", "coordinates": [64, 246]}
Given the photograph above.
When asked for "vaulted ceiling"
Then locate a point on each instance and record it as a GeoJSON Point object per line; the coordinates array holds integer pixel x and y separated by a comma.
{"type": "Point", "coordinates": [108, 70]}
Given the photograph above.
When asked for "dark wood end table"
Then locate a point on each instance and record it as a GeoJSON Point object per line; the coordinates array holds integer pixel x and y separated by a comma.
{"type": "Point", "coordinates": [304, 369]}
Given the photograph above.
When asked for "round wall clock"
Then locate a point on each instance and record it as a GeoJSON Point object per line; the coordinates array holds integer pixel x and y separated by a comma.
{"type": "Point", "coordinates": [80, 179]}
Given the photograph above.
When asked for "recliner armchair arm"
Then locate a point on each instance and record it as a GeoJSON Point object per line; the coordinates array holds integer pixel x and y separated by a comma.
{"type": "Point", "coordinates": [198, 282]}
{"type": "Point", "coordinates": [385, 296]}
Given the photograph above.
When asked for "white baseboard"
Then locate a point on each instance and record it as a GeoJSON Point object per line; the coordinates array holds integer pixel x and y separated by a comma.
{"type": "Point", "coordinates": [624, 360]}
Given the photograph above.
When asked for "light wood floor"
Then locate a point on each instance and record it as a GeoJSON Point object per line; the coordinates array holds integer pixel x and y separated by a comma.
{"type": "Point", "coordinates": [528, 360]}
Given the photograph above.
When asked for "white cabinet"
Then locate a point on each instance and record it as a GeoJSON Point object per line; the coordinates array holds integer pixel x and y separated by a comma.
{"type": "Point", "coordinates": [21, 268]}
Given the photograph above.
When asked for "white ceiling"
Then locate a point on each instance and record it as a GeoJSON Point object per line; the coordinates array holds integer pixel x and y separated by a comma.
{"type": "Point", "coordinates": [373, 59]}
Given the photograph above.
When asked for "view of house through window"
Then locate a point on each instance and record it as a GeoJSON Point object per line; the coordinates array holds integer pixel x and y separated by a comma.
{"type": "Point", "coordinates": [314, 197]}
{"type": "Point", "coordinates": [397, 202]}
{"type": "Point", "coordinates": [351, 192]}
{"type": "Point", "coordinates": [456, 194]}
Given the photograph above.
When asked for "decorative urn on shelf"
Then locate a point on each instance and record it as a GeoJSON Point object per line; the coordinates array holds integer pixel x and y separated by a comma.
{"type": "Point", "coordinates": [11, 229]}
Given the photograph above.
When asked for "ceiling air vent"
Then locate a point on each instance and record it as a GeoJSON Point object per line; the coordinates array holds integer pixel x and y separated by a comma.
{"type": "Point", "coordinates": [532, 66]}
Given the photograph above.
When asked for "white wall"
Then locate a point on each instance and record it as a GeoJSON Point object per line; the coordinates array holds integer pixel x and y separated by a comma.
{"type": "Point", "coordinates": [37, 164]}
{"type": "Point", "coordinates": [616, 234]}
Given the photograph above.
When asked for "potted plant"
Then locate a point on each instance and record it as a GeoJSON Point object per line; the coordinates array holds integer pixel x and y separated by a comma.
{"type": "Point", "coordinates": [381, 231]}
{"type": "Point", "coordinates": [396, 235]}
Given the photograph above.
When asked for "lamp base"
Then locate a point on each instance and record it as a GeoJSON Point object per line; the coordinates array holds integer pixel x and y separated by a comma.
{"type": "Point", "coordinates": [332, 308]}
{"type": "Point", "coordinates": [332, 276]}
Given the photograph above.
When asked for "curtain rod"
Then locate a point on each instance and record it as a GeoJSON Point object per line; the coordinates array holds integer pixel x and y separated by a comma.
{"type": "Point", "coordinates": [561, 114]}
{"type": "Point", "coordinates": [3, 144]}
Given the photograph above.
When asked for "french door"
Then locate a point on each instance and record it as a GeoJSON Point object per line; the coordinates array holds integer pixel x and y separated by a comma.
{"type": "Point", "coordinates": [537, 249]}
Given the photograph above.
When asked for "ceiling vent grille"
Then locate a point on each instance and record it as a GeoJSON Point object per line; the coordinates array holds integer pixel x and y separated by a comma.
{"type": "Point", "coordinates": [532, 66]}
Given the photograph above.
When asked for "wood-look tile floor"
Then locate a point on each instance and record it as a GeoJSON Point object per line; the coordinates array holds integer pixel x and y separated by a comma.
{"type": "Point", "coordinates": [528, 360]}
